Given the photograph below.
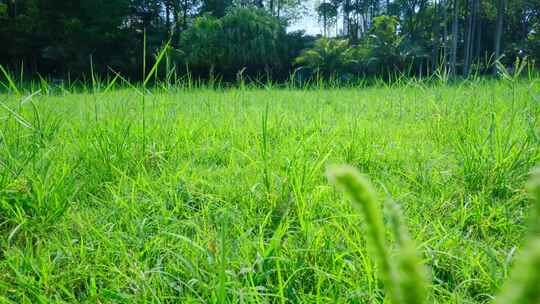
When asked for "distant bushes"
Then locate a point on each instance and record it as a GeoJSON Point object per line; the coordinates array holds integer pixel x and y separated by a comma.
{"type": "Point", "coordinates": [252, 41]}
{"type": "Point", "coordinates": [245, 39]}
{"type": "Point", "coordinates": [379, 52]}
{"type": "Point", "coordinates": [327, 57]}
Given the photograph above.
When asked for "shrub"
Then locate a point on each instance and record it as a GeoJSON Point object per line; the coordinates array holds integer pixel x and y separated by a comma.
{"type": "Point", "coordinates": [377, 53]}
{"type": "Point", "coordinates": [327, 57]}
{"type": "Point", "coordinates": [380, 51]}
{"type": "Point", "coordinates": [244, 38]}
{"type": "Point", "coordinates": [3, 10]}
{"type": "Point", "coordinates": [201, 45]}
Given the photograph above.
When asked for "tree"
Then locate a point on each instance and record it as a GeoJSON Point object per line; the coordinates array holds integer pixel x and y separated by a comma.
{"type": "Point", "coordinates": [327, 12]}
{"type": "Point", "coordinates": [381, 51]}
{"type": "Point", "coordinates": [327, 57]}
{"type": "Point", "coordinates": [471, 24]}
{"type": "Point", "coordinates": [455, 25]}
{"type": "Point", "coordinates": [498, 32]}
{"type": "Point", "coordinates": [533, 42]}
{"type": "Point", "coordinates": [244, 38]}
{"type": "Point", "coordinates": [216, 8]}
{"type": "Point", "coordinates": [3, 11]}
{"type": "Point", "coordinates": [56, 37]}
{"type": "Point", "coordinates": [253, 39]}
{"type": "Point", "coordinates": [201, 44]}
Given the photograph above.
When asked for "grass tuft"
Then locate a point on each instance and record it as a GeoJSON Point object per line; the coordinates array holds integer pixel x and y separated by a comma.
{"type": "Point", "coordinates": [225, 200]}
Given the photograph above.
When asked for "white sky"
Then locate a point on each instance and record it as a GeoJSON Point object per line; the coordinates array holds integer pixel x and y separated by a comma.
{"type": "Point", "coordinates": [309, 23]}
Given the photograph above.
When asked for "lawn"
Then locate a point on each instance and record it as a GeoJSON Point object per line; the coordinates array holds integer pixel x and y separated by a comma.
{"type": "Point", "coordinates": [202, 195]}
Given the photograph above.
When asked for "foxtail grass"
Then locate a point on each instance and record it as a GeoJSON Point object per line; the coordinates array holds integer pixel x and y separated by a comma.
{"type": "Point", "coordinates": [524, 284]}
{"type": "Point", "coordinates": [404, 278]}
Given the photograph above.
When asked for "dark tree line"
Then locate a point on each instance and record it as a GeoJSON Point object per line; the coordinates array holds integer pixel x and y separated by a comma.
{"type": "Point", "coordinates": [455, 35]}
{"type": "Point", "coordinates": [59, 38]}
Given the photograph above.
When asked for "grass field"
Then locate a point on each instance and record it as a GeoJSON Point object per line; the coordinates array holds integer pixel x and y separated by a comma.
{"type": "Point", "coordinates": [199, 195]}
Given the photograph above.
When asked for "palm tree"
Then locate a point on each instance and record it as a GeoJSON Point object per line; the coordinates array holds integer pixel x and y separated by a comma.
{"type": "Point", "coordinates": [327, 57]}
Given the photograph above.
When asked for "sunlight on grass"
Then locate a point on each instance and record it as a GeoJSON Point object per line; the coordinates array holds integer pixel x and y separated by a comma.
{"type": "Point", "coordinates": [221, 196]}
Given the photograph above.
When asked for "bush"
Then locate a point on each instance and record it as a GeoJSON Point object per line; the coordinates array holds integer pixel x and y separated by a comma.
{"type": "Point", "coordinates": [328, 57]}
{"type": "Point", "coordinates": [3, 10]}
{"type": "Point", "coordinates": [201, 45]}
{"type": "Point", "coordinates": [245, 38]}
{"type": "Point", "coordinates": [379, 52]}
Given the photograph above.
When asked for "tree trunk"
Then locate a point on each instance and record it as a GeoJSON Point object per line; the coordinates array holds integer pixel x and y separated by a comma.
{"type": "Point", "coordinates": [175, 12]}
{"type": "Point", "coordinates": [357, 21]}
{"type": "Point", "coordinates": [184, 15]}
{"type": "Point", "coordinates": [445, 35]}
{"type": "Point", "coordinates": [474, 33]}
{"type": "Point", "coordinates": [468, 39]}
{"type": "Point", "coordinates": [498, 33]}
{"type": "Point", "coordinates": [346, 18]}
{"type": "Point", "coordinates": [478, 38]}
{"type": "Point", "coordinates": [453, 59]}
{"type": "Point", "coordinates": [365, 19]}
{"type": "Point", "coordinates": [168, 17]}
{"type": "Point", "coordinates": [11, 8]}
{"type": "Point", "coordinates": [436, 35]}
{"type": "Point", "coordinates": [325, 21]}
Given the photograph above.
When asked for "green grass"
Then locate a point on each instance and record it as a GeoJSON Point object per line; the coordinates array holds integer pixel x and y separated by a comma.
{"type": "Point", "coordinates": [221, 196]}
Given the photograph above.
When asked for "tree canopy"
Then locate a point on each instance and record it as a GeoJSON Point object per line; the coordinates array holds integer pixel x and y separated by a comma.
{"type": "Point", "coordinates": [60, 38]}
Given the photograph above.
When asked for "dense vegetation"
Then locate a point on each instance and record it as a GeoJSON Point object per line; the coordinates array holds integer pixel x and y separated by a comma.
{"type": "Point", "coordinates": [183, 194]}
{"type": "Point", "coordinates": [177, 151]}
{"type": "Point", "coordinates": [220, 38]}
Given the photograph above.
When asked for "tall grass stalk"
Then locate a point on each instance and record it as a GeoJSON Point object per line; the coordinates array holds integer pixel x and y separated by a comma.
{"type": "Point", "coordinates": [404, 280]}
{"type": "Point", "coordinates": [523, 287]}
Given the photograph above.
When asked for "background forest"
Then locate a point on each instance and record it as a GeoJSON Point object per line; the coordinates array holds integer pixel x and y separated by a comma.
{"type": "Point", "coordinates": [222, 37]}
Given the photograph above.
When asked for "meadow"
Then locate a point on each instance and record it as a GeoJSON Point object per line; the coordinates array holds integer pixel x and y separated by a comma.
{"type": "Point", "coordinates": [211, 195]}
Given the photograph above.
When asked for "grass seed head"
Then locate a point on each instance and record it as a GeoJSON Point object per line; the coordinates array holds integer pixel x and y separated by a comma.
{"type": "Point", "coordinates": [364, 200]}
{"type": "Point", "coordinates": [524, 284]}
{"type": "Point", "coordinates": [533, 187]}
{"type": "Point", "coordinates": [411, 272]}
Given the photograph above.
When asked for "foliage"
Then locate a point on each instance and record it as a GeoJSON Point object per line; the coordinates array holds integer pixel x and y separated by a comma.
{"type": "Point", "coordinates": [253, 38]}
{"type": "Point", "coordinates": [404, 277]}
{"type": "Point", "coordinates": [62, 39]}
{"type": "Point", "coordinates": [217, 8]}
{"type": "Point", "coordinates": [328, 12]}
{"type": "Point", "coordinates": [381, 51]}
{"type": "Point", "coordinates": [378, 53]}
{"type": "Point", "coordinates": [57, 37]}
{"type": "Point", "coordinates": [244, 38]}
{"type": "Point", "coordinates": [227, 200]}
{"type": "Point", "coordinates": [533, 42]}
{"type": "Point", "coordinates": [3, 10]}
{"type": "Point", "coordinates": [327, 57]}
{"type": "Point", "coordinates": [201, 43]}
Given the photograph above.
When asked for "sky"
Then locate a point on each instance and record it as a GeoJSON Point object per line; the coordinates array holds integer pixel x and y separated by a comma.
{"type": "Point", "coordinates": [309, 23]}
